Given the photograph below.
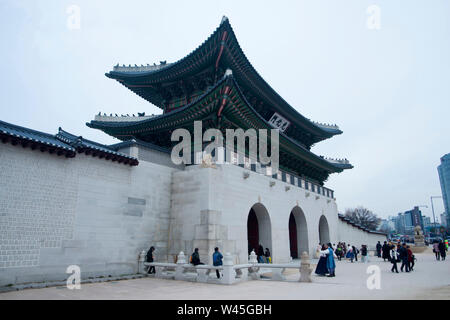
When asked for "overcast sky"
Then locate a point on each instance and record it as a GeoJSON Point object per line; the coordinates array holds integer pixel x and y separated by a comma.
{"type": "Point", "coordinates": [388, 89]}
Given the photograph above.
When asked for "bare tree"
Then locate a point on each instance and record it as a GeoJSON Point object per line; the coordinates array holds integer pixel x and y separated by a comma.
{"type": "Point", "coordinates": [363, 217]}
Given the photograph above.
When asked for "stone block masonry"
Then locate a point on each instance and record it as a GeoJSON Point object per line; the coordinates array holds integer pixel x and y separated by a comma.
{"type": "Point", "coordinates": [86, 211]}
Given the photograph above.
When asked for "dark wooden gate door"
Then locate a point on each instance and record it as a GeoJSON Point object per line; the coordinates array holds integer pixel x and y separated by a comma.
{"type": "Point", "coordinates": [252, 231]}
{"type": "Point", "coordinates": [293, 237]}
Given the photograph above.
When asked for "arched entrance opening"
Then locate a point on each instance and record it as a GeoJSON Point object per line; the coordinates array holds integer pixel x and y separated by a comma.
{"type": "Point", "coordinates": [298, 233]}
{"type": "Point", "coordinates": [324, 231]}
{"type": "Point", "coordinates": [259, 229]}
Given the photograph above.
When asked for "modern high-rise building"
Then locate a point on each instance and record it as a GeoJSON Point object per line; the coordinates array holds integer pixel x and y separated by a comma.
{"type": "Point", "coordinates": [406, 221]}
{"type": "Point", "coordinates": [444, 177]}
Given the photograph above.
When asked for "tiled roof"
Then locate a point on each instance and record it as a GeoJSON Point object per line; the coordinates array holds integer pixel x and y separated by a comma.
{"type": "Point", "coordinates": [83, 145]}
{"type": "Point", "coordinates": [34, 139]}
{"type": "Point", "coordinates": [63, 143]}
{"type": "Point", "coordinates": [350, 222]}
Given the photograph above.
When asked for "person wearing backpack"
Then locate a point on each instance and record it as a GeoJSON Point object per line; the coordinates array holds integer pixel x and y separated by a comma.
{"type": "Point", "coordinates": [195, 258]}
{"type": "Point", "coordinates": [217, 260]}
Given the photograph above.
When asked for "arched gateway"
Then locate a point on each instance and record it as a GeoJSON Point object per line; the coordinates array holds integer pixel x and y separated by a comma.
{"type": "Point", "coordinates": [298, 233]}
{"type": "Point", "coordinates": [259, 229]}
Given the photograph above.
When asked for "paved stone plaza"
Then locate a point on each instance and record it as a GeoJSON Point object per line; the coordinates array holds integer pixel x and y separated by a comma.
{"type": "Point", "coordinates": [430, 280]}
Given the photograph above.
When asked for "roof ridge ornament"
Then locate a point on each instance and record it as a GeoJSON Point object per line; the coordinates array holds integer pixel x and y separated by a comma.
{"type": "Point", "coordinates": [224, 19]}
{"type": "Point", "coordinates": [228, 73]}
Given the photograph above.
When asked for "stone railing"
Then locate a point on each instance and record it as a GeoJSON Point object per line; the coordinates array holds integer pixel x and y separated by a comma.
{"type": "Point", "coordinates": [229, 272]}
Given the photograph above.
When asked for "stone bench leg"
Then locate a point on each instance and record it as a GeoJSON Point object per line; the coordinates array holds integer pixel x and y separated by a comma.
{"type": "Point", "coordinates": [277, 275]}
{"type": "Point", "coordinates": [242, 274]}
{"type": "Point", "coordinates": [159, 272]}
{"type": "Point", "coordinates": [202, 275]}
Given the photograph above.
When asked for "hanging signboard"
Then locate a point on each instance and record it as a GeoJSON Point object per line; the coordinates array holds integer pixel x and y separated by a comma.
{"type": "Point", "coordinates": [279, 122]}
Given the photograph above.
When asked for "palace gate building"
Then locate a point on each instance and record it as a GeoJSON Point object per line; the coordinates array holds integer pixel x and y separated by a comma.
{"type": "Point", "coordinates": [66, 200]}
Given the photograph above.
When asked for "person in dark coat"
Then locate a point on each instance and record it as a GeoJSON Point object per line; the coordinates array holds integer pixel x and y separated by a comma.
{"type": "Point", "coordinates": [378, 247]}
{"type": "Point", "coordinates": [260, 254]}
{"type": "Point", "coordinates": [355, 252]}
{"type": "Point", "coordinates": [442, 248]}
{"type": "Point", "coordinates": [267, 255]}
{"type": "Point", "coordinates": [321, 268]}
{"type": "Point", "coordinates": [386, 251]}
{"type": "Point", "coordinates": [195, 258]}
{"type": "Point", "coordinates": [410, 258]}
{"type": "Point", "coordinates": [403, 253]}
{"type": "Point", "coordinates": [149, 258]}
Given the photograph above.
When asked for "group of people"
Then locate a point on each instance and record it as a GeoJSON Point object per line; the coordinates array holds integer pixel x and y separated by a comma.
{"type": "Point", "coordinates": [350, 252]}
{"type": "Point", "coordinates": [402, 253]}
{"type": "Point", "coordinates": [263, 256]}
{"type": "Point", "coordinates": [194, 259]}
{"type": "Point", "coordinates": [440, 250]}
{"type": "Point", "coordinates": [396, 254]}
{"type": "Point", "coordinates": [326, 265]}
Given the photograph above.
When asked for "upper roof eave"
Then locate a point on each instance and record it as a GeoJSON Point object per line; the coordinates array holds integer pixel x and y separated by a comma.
{"type": "Point", "coordinates": [322, 131]}
{"type": "Point", "coordinates": [329, 166]}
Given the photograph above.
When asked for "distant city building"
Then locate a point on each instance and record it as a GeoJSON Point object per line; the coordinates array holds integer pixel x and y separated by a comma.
{"type": "Point", "coordinates": [444, 177]}
{"type": "Point", "coordinates": [406, 221]}
{"type": "Point", "coordinates": [426, 222]}
{"type": "Point", "coordinates": [444, 220]}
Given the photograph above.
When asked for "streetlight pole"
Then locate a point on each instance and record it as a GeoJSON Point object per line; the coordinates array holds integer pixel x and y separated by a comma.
{"type": "Point", "coordinates": [432, 209]}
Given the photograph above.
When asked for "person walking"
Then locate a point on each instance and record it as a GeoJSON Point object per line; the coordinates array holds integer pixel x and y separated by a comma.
{"type": "Point", "coordinates": [441, 248]}
{"type": "Point", "coordinates": [404, 258]}
{"type": "Point", "coordinates": [410, 258]}
{"type": "Point", "coordinates": [331, 265]}
{"type": "Point", "coordinates": [339, 251]}
{"type": "Point", "coordinates": [350, 253]}
{"type": "Point", "coordinates": [386, 251]}
{"type": "Point", "coordinates": [344, 250]}
{"type": "Point", "coordinates": [195, 258]}
{"type": "Point", "coordinates": [149, 258]}
{"type": "Point", "coordinates": [355, 252]}
{"type": "Point", "coordinates": [217, 260]}
{"type": "Point", "coordinates": [378, 247]}
{"type": "Point", "coordinates": [436, 250]}
{"type": "Point", "coordinates": [394, 259]}
{"type": "Point", "coordinates": [364, 257]}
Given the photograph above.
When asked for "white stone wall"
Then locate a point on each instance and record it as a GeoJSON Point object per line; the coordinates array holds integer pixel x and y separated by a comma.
{"type": "Point", "coordinates": [229, 197]}
{"type": "Point", "coordinates": [354, 236]}
{"type": "Point", "coordinates": [91, 212]}
{"type": "Point", "coordinates": [99, 215]}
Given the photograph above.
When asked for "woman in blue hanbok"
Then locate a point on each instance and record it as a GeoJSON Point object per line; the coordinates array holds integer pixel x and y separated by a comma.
{"type": "Point", "coordinates": [331, 265]}
{"type": "Point", "coordinates": [321, 268]}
